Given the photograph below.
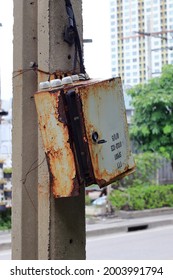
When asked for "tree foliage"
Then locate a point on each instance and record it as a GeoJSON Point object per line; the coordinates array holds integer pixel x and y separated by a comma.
{"type": "Point", "coordinates": [152, 123]}
{"type": "Point", "coordinates": [145, 174]}
{"type": "Point", "coordinates": [140, 197]}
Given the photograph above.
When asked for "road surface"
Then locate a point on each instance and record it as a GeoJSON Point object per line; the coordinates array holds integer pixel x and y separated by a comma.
{"type": "Point", "coordinates": [5, 255]}
{"type": "Point", "coordinates": [150, 244]}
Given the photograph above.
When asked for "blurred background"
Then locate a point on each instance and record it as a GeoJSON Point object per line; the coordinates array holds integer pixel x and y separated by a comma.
{"type": "Point", "coordinates": [133, 40]}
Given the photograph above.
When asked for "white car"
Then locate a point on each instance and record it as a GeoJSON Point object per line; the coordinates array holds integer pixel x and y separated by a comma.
{"type": "Point", "coordinates": [100, 201]}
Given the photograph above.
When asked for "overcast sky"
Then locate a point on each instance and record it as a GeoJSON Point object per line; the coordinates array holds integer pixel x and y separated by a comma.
{"type": "Point", "coordinates": [96, 19]}
{"type": "Point", "coordinates": [6, 37]}
{"type": "Point", "coordinates": [96, 27]}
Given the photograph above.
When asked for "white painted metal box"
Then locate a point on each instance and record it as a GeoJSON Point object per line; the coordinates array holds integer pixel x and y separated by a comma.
{"type": "Point", "coordinates": [85, 134]}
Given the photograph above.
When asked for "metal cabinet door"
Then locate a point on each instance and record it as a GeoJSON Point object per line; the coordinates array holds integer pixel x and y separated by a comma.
{"type": "Point", "coordinates": [55, 134]}
{"type": "Point", "coordinates": [107, 130]}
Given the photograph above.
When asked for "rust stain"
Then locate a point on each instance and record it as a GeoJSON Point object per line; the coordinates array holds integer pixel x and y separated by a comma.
{"type": "Point", "coordinates": [102, 183]}
{"type": "Point", "coordinates": [91, 98]}
{"type": "Point", "coordinates": [42, 190]}
{"type": "Point", "coordinates": [55, 134]}
{"type": "Point", "coordinates": [43, 76]}
{"type": "Point", "coordinates": [95, 149]}
{"type": "Point", "coordinates": [61, 109]}
{"type": "Point", "coordinates": [94, 93]}
{"type": "Point", "coordinates": [62, 179]}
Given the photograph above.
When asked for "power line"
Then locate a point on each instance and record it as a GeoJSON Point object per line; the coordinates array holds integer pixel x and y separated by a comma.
{"type": "Point", "coordinates": [154, 34]}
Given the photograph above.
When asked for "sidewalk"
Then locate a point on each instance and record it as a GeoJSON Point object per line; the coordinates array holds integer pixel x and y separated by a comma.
{"type": "Point", "coordinates": [5, 240]}
{"type": "Point", "coordinates": [117, 225]}
{"type": "Point", "coordinates": [122, 222]}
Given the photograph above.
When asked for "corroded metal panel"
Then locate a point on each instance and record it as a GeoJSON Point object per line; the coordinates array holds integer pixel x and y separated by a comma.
{"type": "Point", "coordinates": [85, 134]}
{"type": "Point", "coordinates": [106, 130]}
{"type": "Point", "coordinates": [55, 135]}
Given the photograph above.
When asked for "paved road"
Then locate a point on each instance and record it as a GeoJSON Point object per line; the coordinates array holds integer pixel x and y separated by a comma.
{"type": "Point", "coordinates": [151, 244]}
{"type": "Point", "coordinates": [5, 255]}
{"type": "Point", "coordinates": [4, 236]}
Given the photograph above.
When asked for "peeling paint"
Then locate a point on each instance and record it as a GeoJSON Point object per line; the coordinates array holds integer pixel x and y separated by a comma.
{"type": "Point", "coordinates": [56, 142]}
{"type": "Point", "coordinates": [68, 137]}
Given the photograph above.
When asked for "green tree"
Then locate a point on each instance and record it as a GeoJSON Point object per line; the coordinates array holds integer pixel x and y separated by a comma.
{"type": "Point", "coordinates": [145, 174]}
{"type": "Point", "coordinates": [152, 123]}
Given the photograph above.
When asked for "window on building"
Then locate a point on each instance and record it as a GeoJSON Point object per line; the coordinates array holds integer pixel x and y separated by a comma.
{"type": "Point", "coordinates": [135, 81]}
{"type": "Point", "coordinates": [134, 19]}
{"type": "Point", "coordinates": [155, 29]}
{"type": "Point", "coordinates": [156, 43]}
{"type": "Point", "coordinates": [126, 7]}
{"type": "Point", "coordinates": [126, 14]}
{"type": "Point", "coordinates": [134, 26]}
{"type": "Point", "coordinates": [135, 73]}
{"type": "Point", "coordinates": [155, 22]}
{"type": "Point", "coordinates": [156, 57]}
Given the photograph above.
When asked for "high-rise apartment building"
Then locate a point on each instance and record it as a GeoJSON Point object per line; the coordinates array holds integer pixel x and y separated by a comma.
{"type": "Point", "coordinates": [141, 38]}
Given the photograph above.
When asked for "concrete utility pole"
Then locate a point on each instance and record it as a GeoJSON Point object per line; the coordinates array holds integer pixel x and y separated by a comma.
{"type": "Point", "coordinates": [25, 135]}
{"type": "Point", "coordinates": [43, 227]}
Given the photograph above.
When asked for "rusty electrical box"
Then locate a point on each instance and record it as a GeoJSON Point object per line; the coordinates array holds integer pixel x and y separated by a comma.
{"type": "Point", "coordinates": [85, 133]}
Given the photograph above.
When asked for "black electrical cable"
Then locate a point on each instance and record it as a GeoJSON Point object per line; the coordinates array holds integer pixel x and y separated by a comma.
{"type": "Point", "coordinates": [72, 29]}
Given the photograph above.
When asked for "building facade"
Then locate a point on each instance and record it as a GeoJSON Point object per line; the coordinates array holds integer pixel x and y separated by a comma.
{"type": "Point", "coordinates": [6, 157]}
{"type": "Point", "coordinates": [141, 38]}
{"type": "Point", "coordinates": [6, 130]}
